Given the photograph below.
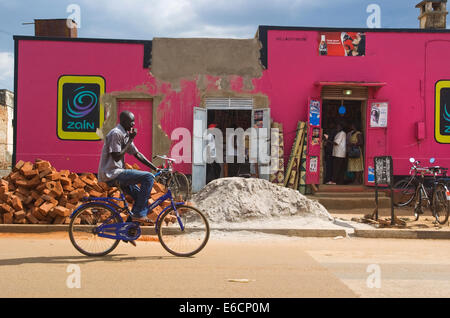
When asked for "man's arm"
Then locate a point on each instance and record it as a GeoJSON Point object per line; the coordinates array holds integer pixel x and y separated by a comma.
{"type": "Point", "coordinates": [118, 156]}
{"type": "Point", "coordinates": [145, 161]}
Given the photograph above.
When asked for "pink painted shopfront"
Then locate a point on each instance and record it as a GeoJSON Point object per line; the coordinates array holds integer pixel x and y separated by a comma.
{"type": "Point", "coordinates": [395, 87]}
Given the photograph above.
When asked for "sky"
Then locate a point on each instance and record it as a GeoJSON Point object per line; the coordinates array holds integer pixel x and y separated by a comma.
{"type": "Point", "coordinates": [146, 19]}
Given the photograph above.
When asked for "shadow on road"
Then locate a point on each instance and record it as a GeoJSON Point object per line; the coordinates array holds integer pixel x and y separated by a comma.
{"type": "Point", "coordinates": [80, 259]}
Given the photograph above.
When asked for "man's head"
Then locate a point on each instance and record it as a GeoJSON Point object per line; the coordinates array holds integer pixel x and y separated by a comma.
{"type": "Point", "coordinates": [338, 127]}
{"type": "Point", "coordinates": [127, 120]}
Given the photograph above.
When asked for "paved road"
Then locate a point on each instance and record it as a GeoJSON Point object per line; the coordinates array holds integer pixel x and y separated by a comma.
{"type": "Point", "coordinates": [275, 266]}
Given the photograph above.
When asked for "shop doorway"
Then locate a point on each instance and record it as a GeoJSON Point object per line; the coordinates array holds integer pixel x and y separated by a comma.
{"type": "Point", "coordinates": [224, 119]}
{"type": "Point", "coordinates": [350, 114]}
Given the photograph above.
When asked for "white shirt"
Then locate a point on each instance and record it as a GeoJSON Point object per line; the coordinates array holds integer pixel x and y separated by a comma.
{"type": "Point", "coordinates": [115, 140]}
{"type": "Point", "coordinates": [211, 144]}
{"type": "Point", "coordinates": [339, 149]}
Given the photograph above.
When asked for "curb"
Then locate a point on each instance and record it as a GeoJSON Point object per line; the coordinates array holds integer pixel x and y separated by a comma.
{"type": "Point", "coordinates": [403, 234]}
{"type": "Point", "coordinates": [291, 232]}
{"type": "Point", "coordinates": [150, 230]}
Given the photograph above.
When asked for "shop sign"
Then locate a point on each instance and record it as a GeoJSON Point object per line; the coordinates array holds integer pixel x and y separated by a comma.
{"type": "Point", "coordinates": [80, 113]}
{"type": "Point", "coordinates": [442, 112]}
{"type": "Point", "coordinates": [342, 43]}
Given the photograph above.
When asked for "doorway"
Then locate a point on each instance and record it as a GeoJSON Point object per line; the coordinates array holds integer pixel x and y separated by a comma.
{"type": "Point", "coordinates": [224, 119]}
{"type": "Point", "coordinates": [347, 113]}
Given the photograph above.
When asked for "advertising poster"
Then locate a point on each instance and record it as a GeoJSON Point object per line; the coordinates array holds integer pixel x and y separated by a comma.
{"type": "Point", "coordinates": [258, 118]}
{"type": "Point", "coordinates": [313, 163]}
{"type": "Point", "coordinates": [314, 113]}
{"type": "Point", "coordinates": [342, 44]}
{"type": "Point", "coordinates": [378, 115]}
{"type": "Point", "coordinates": [442, 112]}
{"type": "Point", "coordinates": [80, 112]}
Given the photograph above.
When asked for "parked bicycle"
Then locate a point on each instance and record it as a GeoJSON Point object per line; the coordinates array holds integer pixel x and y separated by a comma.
{"type": "Point", "coordinates": [96, 227]}
{"type": "Point", "coordinates": [178, 182]}
{"type": "Point", "coordinates": [413, 189]}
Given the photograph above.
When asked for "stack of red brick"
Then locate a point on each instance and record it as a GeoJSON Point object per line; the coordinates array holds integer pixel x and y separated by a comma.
{"type": "Point", "coordinates": [36, 193]}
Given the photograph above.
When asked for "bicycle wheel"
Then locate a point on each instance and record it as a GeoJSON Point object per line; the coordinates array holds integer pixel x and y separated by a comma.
{"type": "Point", "coordinates": [187, 241]}
{"type": "Point", "coordinates": [404, 192]}
{"type": "Point", "coordinates": [441, 206]}
{"type": "Point", "coordinates": [179, 185]}
{"type": "Point", "coordinates": [83, 225]}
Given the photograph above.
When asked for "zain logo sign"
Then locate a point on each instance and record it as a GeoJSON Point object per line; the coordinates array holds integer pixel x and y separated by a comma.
{"type": "Point", "coordinates": [79, 110]}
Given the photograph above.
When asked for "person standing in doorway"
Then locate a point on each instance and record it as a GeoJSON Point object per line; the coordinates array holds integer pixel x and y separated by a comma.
{"type": "Point", "coordinates": [354, 151]}
{"type": "Point", "coordinates": [339, 154]}
{"type": "Point", "coordinates": [328, 150]}
{"type": "Point", "coordinates": [213, 168]}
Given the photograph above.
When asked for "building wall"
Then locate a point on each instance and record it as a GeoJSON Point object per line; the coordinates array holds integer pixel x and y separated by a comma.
{"type": "Point", "coordinates": [41, 63]}
{"type": "Point", "coordinates": [409, 63]}
{"type": "Point", "coordinates": [6, 130]}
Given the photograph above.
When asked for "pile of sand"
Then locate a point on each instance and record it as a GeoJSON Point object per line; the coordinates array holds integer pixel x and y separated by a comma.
{"type": "Point", "coordinates": [240, 199]}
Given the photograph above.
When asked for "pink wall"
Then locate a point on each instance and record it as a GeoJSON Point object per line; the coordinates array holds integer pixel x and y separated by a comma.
{"type": "Point", "coordinates": [41, 63]}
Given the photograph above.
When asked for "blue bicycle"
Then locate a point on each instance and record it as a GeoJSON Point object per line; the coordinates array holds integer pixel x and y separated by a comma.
{"type": "Point", "coordinates": [96, 227]}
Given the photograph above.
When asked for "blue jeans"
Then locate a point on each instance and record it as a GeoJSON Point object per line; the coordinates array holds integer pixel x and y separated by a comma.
{"type": "Point", "coordinates": [128, 181]}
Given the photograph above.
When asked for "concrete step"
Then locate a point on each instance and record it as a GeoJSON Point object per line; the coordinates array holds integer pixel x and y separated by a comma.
{"type": "Point", "coordinates": [349, 203]}
{"type": "Point", "coordinates": [349, 194]}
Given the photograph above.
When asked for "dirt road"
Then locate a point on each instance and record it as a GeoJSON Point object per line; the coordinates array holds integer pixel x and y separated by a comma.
{"type": "Point", "coordinates": [42, 265]}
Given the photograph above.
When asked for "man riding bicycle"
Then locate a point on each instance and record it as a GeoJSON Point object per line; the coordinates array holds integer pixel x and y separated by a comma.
{"type": "Point", "coordinates": [111, 170]}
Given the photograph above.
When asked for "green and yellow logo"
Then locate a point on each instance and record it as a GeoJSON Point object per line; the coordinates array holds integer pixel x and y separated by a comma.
{"type": "Point", "coordinates": [80, 112]}
{"type": "Point", "coordinates": [442, 112]}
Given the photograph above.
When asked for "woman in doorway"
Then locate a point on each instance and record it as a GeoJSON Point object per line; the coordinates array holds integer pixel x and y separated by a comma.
{"type": "Point", "coordinates": [354, 153]}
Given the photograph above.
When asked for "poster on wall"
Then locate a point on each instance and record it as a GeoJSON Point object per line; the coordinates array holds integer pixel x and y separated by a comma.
{"type": "Point", "coordinates": [314, 113]}
{"type": "Point", "coordinates": [79, 108]}
{"type": "Point", "coordinates": [342, 43]}
{"type": "Point", "coordinates": [379, 115]}
{"type": "Point", "coordinates": [313, 163]}
{"type": "Point", "coordinates": [258, 118]}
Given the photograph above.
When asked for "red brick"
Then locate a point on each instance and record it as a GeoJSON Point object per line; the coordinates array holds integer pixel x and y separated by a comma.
{"type": "Point", "coordinates": [38, 202]}
{"type": "Point", "coordinates": [59, 219]}
{"type": "Point", "coordinates": [45, 172]}
{"type": "Point", "coordinates": [42, 165]}
{"type": "Point", "coordinates": [46, 207]}
{"type": "Point", "coordinates": [65, 181]}
{"type": "Point", "coordinates": [6, 208]}
{"type": "Point", "coordinates": [31, 173]}
{"type": "Point", "coordinates": [17, 203]}
{"type": "Point", "coordinates": [53, 176]}
{"type": "Point", "coordinates": [38, 215]}
{"type": "Point", "coordinates": [19, 215]}
{"type": "Point", "coordinates": [62, 211]}
{"type": "Point", "coordinates": [31, 218]}
{"type": "Point", "coordinates": [19, 165]}
{"type": "Point", "coordinates": [94, 193]}
{"type": "Point", "coordinates": [64, 173]}
{"type": "Point", "coordinates": [27, 166]}
{"type": "Point", "coordinates": [78, 183]}
{"type": "Point", "coordinates": [7, 218]}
